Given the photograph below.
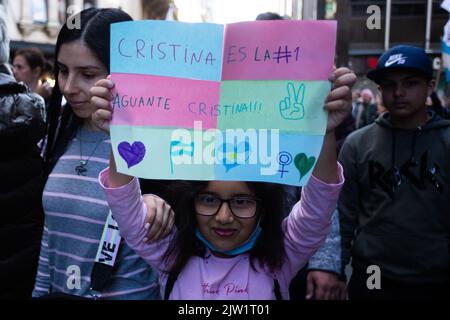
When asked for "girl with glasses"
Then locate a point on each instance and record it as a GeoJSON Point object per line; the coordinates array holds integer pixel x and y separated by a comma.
{"type": "Point", "coordinates": [230, 240]}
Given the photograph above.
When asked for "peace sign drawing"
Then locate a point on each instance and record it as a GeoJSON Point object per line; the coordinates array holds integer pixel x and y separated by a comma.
{"type": "Point", "coordinates": [291, 107]}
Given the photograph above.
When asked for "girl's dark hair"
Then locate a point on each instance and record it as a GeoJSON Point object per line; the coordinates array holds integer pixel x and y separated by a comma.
{"type": "Point", "coordinates": [62, 123]}
{"type": "Point", "coordinates": [34, 58]}
{"type": "Point", "coordinates": [268, 249]}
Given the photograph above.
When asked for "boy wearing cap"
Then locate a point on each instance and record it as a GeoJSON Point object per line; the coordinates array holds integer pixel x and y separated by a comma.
{"type": "Point", "coordinates": [395, 204]}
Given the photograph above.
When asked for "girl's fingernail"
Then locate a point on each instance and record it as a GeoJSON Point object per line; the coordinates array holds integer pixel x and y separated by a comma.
{"type": "Point", "coordinates": [145, 239]}
{"type": "Point", "coordinates": [147, 225]}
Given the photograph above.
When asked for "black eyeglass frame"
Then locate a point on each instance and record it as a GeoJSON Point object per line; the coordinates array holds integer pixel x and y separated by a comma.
{"type": "Point", "coordinates": [227, 201]}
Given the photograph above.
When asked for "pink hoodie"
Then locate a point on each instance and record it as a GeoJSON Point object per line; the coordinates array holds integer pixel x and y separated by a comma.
{"type": "Point", "coordinates": [211, 277]}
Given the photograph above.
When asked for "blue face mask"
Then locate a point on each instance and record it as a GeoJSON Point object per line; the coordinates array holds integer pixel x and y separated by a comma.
{"type": "Point", "coordinates": [246, 246]}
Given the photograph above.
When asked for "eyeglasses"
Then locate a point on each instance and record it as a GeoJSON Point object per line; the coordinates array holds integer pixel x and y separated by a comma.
{"type": "Point", "coordinates": [207, 204]}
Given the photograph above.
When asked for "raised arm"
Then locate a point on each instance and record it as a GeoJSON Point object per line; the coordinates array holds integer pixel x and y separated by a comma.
{"type": "Point", "coordinates": [101, 97]}
{"type": "Point", "coordinates": [309, 221]}
{"type": "Point", "coordinates": [339, 105]}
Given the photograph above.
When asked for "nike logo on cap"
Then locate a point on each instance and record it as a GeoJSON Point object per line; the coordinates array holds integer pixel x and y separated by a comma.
{"type": "Point", "coordinates": [395, 58]}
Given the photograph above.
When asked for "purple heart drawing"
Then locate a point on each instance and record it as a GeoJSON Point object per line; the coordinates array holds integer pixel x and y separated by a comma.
{"type": "Point", "coordinates": [132, 154]}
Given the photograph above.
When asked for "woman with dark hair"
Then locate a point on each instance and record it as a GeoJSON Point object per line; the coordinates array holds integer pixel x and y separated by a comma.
{"type": "Point", "coordinates": [29, 66]}
{"type": "Point", "coordinates": [230, 239]}
{"type": "Point", "coordinates": [76, 211]}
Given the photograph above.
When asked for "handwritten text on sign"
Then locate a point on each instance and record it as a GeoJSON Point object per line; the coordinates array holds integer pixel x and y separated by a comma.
{"type": "Point", "coordinates": [220, 102]}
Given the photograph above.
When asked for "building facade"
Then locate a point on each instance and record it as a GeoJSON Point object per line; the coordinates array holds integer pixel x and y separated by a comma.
{"type": "Point", "coordinates": [36, 23]}
{"type": "Point", "coordinates": [366, 28]}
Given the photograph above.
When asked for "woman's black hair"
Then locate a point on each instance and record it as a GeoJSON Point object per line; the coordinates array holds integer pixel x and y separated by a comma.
{"type": "Point", "coordinates": [268, 249]}
{"type": "Point", "coordinates": [62, 123]}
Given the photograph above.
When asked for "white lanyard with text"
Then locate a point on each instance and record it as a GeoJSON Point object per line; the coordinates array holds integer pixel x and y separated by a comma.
{"type": "Point", "coordinates": [106, 256]}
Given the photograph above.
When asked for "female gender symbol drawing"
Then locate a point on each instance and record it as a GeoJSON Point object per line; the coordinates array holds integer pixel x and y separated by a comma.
{"type": "Point", "coordinates": [284, 159]}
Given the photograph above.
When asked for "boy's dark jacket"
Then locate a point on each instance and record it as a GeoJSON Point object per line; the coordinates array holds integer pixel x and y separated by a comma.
{"type": "Point", "coordinates": [401, 221]}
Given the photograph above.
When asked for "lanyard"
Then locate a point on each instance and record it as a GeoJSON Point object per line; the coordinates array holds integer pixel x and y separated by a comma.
{"type": "Point", "coordinates": [106, 256]}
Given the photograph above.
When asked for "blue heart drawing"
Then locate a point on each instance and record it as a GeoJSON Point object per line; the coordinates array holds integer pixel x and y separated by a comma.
{"type": "Point", "coordinates": [132, 154]}
{"type": "Point", "coordinates": [243, 147]}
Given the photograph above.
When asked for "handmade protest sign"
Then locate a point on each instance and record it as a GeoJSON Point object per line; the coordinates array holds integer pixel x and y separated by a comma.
{"type": "Point", "coordinates": [241, 101]}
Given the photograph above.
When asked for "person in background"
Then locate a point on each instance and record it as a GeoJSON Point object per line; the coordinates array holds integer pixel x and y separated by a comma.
{"type": "Point", "coordinates": [22, 125]}
{"type": "Point", "coordinates": [356, 98]}
{"type": "Point", "coordinates": [159, 10]}
{"type": "Point", "coordinates": [29, 66]}
{"type": "Point", "coordinates": [366, 109]}
{"type": "Point", "coordinates": [269, 16]}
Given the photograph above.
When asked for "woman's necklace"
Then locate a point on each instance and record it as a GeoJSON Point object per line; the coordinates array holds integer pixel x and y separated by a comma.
{"type": "Point", "coordinates": [81, 168]}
